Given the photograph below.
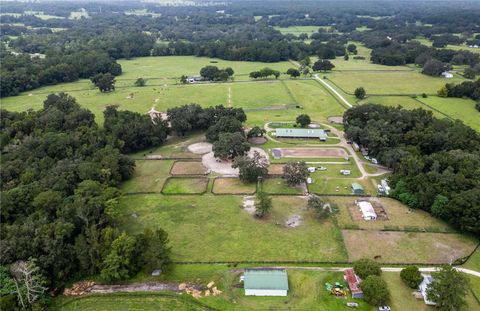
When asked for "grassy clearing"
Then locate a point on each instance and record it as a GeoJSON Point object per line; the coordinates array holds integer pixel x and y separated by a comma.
{"type": "Point", "coordinates": [188, 168]}
{"type": "Point", "coordinates": [79, 14]}
{"type": "Point", "coordinates": [333, 171]}
{"type": "Point", "coordinates": [457, 108]}
{"type": "Point", "coordinates": [296, 30]}
{"type": "Point", "coordinates": [337, 186]}
{"type": "Point", "coordinates": [393, 101]}
{"type": "Point", "coordinates": [233, 186]}
{"type": "Point", "coordinates": [399, 215]}
{"type": "Point", "coordinates": [42, 15]}
{"type": "Point", "coordinates": [175, 147]}
{"type": "Point", "coordinates": [259, 94]}
{"type": "Point", "coordinates": [122, 301]}
{"type": "Point", "coordinates": [187, 185]}
{"type": "Point", "coordinates": [311, 141]}
{"type": "Point", "coordinates": [208, 227]}
{"type": "Point", "coordinates": [149, 176]}
{"type": "Point", "coordinates": [474, 261]}
{"type": "Point", "coordinates": [410, 247]}
{"type": "Point", "coordinates": [280, 186]}
{"type": "Point", "coordinates": [402, 82]}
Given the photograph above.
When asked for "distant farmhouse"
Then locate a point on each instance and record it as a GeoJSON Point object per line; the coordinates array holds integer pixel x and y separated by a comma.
{"type": "Point", "coordinates": [193, 79]}
{"type": "Point", "coordinates": [301, 133]}
{"type": "Point", "coordinates": [353, 281]}
{"type": "Point", "coordinates": [447, 75]}
{"type": "Point", "coordinates": [266, 282]}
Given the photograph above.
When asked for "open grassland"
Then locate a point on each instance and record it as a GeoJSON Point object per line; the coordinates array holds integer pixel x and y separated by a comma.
{"type": "Point", "coordinates": [175, 147]}
{"type": "Point", "coordinates": [208, 227]}
{"type": "Point", "coordinates": [457, 108]}
{"type": "Point", "coordinates": [149, 176]}
{"type": "Point", "coordinates": [185, 185]}
{"type": "Point", "coordinates": [296, 30]}
{"type": "Point", "coordinates": [400, 217]}
{"type": "Point", "coordinates": [233, 186]}
{"type": "Point", "coordinates": [280, 186]}
{"type": "Point", "coordinates": [257, 95]}
{"type": "Point", "coordinates": [474, 261]}
{"type": "Point", "coordinates": [42, 15]}
{"type": "Point", "coordinates": [188, 168]}
{"type": "Point", "coordinates": [363, 65]}
{"type": "Point", "coordinates": [338, 185]}
{"type": "Point", "coordinates": [406, 102]}
{"type": "Point", "coordinates": [395, 82]}
{"type": "Point", "coordinates": [413, 247]}
{"type": "Point", "coordinates": [135, 301]}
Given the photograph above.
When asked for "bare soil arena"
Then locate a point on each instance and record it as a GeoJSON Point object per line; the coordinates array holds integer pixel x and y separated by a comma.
{"type": "Point", "coordinates": [312, 152]}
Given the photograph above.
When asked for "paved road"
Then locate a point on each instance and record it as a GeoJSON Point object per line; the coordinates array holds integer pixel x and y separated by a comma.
{"type": "Point", "coordinates": [322, 81]}
{"type": "Point", "coordinates": [385, 269]}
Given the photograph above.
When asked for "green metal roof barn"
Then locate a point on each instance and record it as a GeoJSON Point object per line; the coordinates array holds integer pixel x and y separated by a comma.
{"type": "Point", "coordinates": [266, 282]}
{"type": "Point", "coordinates": [301, 133]}
{"type": "Point", "coordinates": [357, 188]}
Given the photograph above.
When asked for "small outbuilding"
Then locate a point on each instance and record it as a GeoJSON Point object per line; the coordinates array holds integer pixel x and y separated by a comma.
{"type": "Point", "coordinates": [385, 186]}
{"type": "Point", "coordinates": [353, 281]}
{"type": "Point", "coordinates": [357, 189]}
{"type": "Point", "coordinates": [368, 213]}
{"type": "Point", "coordinates": [447, 75]}
{"type": "Point", "coordinates": [266, 282]}
{"type": "Point", "coordinates": [301, 133]}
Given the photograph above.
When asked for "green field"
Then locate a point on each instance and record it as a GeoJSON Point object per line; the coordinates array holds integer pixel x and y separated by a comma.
{"type": "Point", "coordinates": [185, 185]}
{"type": "Point", "coordinates": [457, 108]}
{"type": "Point", "coordinates": [296, 30]}
{"type": "Point", "coordinates": [400, 82]}
{"type": "Point", "coordinates": [208, 227]}
{"type": "Point", "coordinates": [149, 176]}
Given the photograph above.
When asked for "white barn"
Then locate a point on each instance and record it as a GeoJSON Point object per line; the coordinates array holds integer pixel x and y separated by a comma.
{"type": "Point", "coordinates": [367, 210]}
{"type": "Point", "coordinates": [266, 282]}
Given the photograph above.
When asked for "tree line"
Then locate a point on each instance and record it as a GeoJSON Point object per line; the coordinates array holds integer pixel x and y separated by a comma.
{"type": "Point", "coordinates": [59, 180]}
{"type": "Point", "coordinates": [434, 161]}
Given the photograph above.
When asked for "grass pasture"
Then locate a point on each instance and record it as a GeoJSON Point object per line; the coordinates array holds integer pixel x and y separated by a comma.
{"type": "Point", "coordinates": [185, 185]}
{"type": "Point", "coordinates": [337, 186]}
{"type": "Point", "coordinates": [149, 176]}
{"type": "Point", "coordinates": [297, 30]}
{"type": "Point", "coordinates": [457, 108]}
{"type": "Point", "coordinates": [208, 227]}
{"type": "Point", "coordinates": [188, 168]}
{"type": "Point", "coordinates": [412, 247]}
{"type": "Point", "coordinates": [400, 217]}
{"type": "Point", "coordinates": [280, 186]}
{"type": "Point", "coordinates": [232, 186]}
{"type": "Point", "coordinates": [394, 82]}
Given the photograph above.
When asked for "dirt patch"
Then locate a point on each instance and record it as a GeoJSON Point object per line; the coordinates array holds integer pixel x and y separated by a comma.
{"type": "Point", "coordinates": [200, 148]}
{"type": "Point", "coordinates": [406, 247]}
{"type": "Point", "coordinates": [314, 126]}
{"type": "Point", "coordinates": [225, 167]}
{"type": "Point", "coordinates": [188, 168]}
{"type": "Point", "coordinates": [257, 140]}
{"type": "Point", "coordinates": [232, 186]}
{"type": "Point", "coordinates": [311, 152]}
{"type": "Point", "coordinates": [249, 204]}
{"type": "Point", "coordinates": [275, 169]}
{"type": "Point", "coordinates": [293, 221]}
{"type": "Point", "coordinates": [218, 166]}
{"type": "Point", "coordinates": [335, 119]}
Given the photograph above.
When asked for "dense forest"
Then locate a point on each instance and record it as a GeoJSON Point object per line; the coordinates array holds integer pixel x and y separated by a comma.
{"type": "Point", "coordinates": [59, 180]}
{"type": "Point", "coordinates": [436, 163]}
{"type": "Point", "coordinates": [234, 32]}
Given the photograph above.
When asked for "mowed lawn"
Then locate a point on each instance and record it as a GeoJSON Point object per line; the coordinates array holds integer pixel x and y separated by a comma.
{"type": "Point", "coordinates": [457, 108]}
{"type": "Point", "coordinates": [149, 176]}
{"type": "Point", "coordinates": [124, 302]}
{"type": "Point", "coordinates": [216, 228]}
{"type": "Point", "coordinates": [407, 247]}
{"type": "Point", "coordinates": [400, 82]}
{"type": "Point", "coordinates": [296, 30]}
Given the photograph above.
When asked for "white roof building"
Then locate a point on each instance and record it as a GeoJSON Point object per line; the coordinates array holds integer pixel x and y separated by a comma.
{"type": "Point", "coordinates": [367, 210]}
{"type": "Point", "coordinates": [427, 279]}
{"type": "Point", "coordinates": [385, 186]}
{"type": "Point", "coordinates": [447, 75]}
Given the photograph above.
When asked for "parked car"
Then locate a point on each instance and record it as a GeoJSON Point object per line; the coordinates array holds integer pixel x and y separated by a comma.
{"type": "Point", "coordinates": [311, 169]}
{"type": "Point", "coordinates": [321, 168]}
{"type": "Point", "coordinates": [367, 158]}
{"type": "Point", "coordinates": [374, 161]}
{"type": "Point", "coordinates": [352, 304]}
{"type": "Point", "coordinates": [345, 172]}
{"type": "Point", "coordinates": [384, 308]}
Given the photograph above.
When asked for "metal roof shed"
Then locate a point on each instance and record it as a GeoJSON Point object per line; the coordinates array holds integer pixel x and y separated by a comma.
{"type": "Point", "coordinates": [301, 133]}
{"type": "Point", "coordinates": [266, 282]}
{"type": "Point", "coordinates": [357, 188]}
